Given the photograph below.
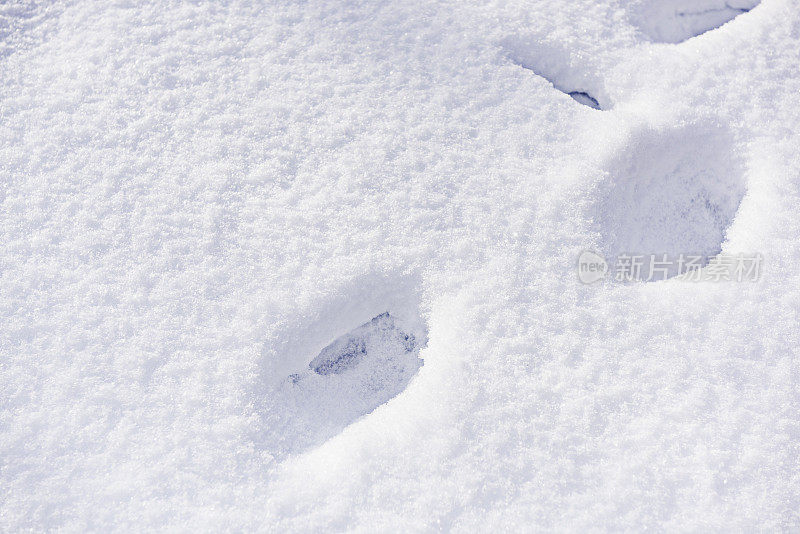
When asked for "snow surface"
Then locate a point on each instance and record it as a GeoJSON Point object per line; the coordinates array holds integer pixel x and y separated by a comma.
{"type": "Point", "coordinates": [349, 378]}
{"type": "Point", "coordinates": [677, 20]}
{"type": "Point", "coordinates": [199, 197]}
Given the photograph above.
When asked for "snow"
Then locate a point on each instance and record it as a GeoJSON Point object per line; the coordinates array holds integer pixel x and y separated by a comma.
{"type": "Point", "coordinates": [349, 378]}
{"type": "Point", "coordinates": [674, 191]}
{"type": "Point", "coordinates": [678, 20]}
{"type": "Point", "coordinates": [200, 199]}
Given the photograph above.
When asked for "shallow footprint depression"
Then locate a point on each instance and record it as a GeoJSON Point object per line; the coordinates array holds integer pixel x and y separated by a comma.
{"type": "Point", "coordinates": [674, 21]}
{"type": "Point", "coordinates": [670, 192]}
{"type": "Point", "coordinates": [349, 378]}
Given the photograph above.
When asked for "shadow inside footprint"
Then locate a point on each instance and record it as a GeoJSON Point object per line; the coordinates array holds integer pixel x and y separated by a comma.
{"type": "Point", "coordinates": [670, 193]}
{"type": "Point", "coordinates": [571, 74]}
{"type": "Point", "coordinates": [349, 378]}
{"type": "Point", "coordinates": [585, 98]}
{"type": "Point", "coordinates": [674, 21]}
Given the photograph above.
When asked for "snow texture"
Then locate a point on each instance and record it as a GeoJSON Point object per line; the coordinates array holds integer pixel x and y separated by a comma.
{"type": "Point", "coordinates": [349, 378]}
{"type": "Point", "coordinates": [677, 20]}
{"type": "Point", "coordinates": [673, 191]}
{"type": "Point", "coordinates": [198, 200]}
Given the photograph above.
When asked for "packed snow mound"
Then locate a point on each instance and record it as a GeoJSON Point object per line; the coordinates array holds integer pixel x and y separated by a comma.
{"type": "Point", "coordinates": [674, 21]}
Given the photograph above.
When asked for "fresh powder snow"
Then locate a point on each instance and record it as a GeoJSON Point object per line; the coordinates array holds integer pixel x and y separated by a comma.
{"type": "Point", "coordinates": [365, 265]}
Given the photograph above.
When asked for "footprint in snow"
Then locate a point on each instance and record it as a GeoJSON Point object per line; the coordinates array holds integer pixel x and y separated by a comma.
{"type": "Point", "coordinates": [670, 192]}
{"type": "Point", "coordinates": [574, 76]}
{"type": "Point", "coordinates": [349, 378]}
{"type": "Point", "coordinates": [674, 21]}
